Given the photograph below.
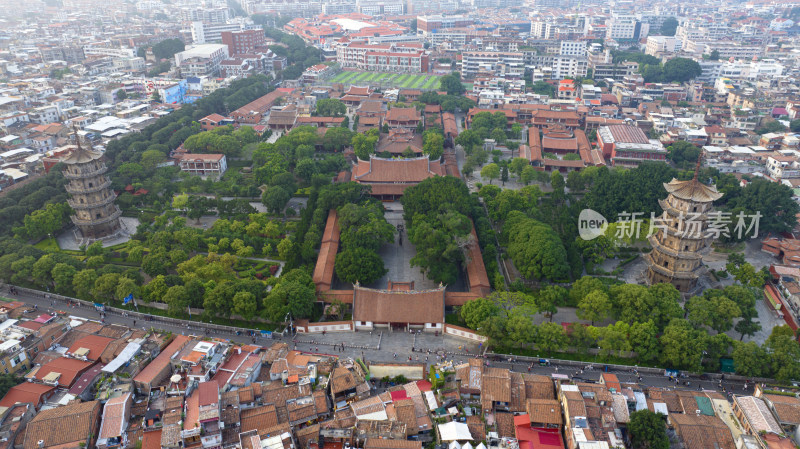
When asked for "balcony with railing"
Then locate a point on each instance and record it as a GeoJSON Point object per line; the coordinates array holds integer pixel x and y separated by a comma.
{"type": "Point", "coordinates": [686, 255]}
{"type": "Point", "coordinates": [97, 221]}
{"type": "Point", "coordinates": [73, 189]}
{"type": "Point", "coordinates": [668, 272]}
{"type": "Point", "coordinates": [85, 174]}
{"type": "Point", "coordinates": [76, 205]}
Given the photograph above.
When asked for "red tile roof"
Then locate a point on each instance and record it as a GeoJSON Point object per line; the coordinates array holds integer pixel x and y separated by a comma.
{"type": "Point", "coordinates": [209, 393]}
{"type": "Point", "coordinates": [383, 306]}
{"type": "Point", "coordinates": [152, 440]}
{"type": "Point", "coordinates": [94, 343]}
{"type": "Point", "coordinates": [403, 115]}
{"type": "Point", "coordinates": [379, 170]}
{"type": "Point", "coordinates": [26, 392]}
{"type": "Point", "coordinates": [154, 368]}
{"type": "Point", "coordinates": [69, 369]}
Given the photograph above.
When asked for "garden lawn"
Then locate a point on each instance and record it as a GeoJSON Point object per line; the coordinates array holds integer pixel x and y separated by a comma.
{"type": "Point", "coordinates": [49, 245]}
{"type": "Point", "coordinates": [342, 77]}
{"type": "Point", "coordinates": [432, 83]}
{"type": "Point", "coordinates": [361, 77]}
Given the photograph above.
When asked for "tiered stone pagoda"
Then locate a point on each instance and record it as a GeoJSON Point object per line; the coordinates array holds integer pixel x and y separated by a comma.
{"type": "Point", "coordinates": [96, 215]}
{"type": "Point", "coordinates": [681, 235]}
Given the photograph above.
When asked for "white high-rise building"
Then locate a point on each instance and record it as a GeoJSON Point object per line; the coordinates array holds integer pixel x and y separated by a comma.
{"type": "Point", "coordinates": [573, 48]}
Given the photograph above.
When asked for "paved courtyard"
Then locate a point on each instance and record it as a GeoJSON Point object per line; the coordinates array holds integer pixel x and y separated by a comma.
{"type": "Point", "coordinates": [68, 241]}
{"type": "Point", "coordinates": [397, 257]}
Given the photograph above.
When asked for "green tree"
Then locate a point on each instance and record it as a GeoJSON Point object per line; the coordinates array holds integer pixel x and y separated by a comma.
{"type": "Point", "coordinates": [498, 135]}
{"type": "Point", "coordinates": [490, 172]}
{"type": "Point", "coordinates": [520, 328]}
{"type": "Point", "coordinates": [517, 165]}
{"type": "Point", "coordinates": [784, 353]}
{"type": "Point", "coordinates": [359, 264]}
{"type": "Point", "coordinates": [83, 282]}
{"type": "Point", "coordinates": [292, 297]}
{"type": "Point", "coordinates": [245, 304]}
{"type": "Point", "coordinates": [364, 225]}
{"type": "Point", "coordinates": [125, 287]}
{"type": "Point", "coordinates": [668, 28]}
{"type": "Point", "coordinates": [167, 48]}
{"type": "Point", "coordinates": [516, 131]}
{"type": "Point", "coordinates": [747, 327]}
{"type": "Point", "coordinates": [647, 429]}
{"type": "Point", "coordinates": [749, 360]}
{"type": "Point", "coordinates": [535, 248]}
{"type": "Point", "coordinates": [544, 88]}
{"type": "Point", "coordinates": [63, 275]}
{"type": "Point", "coordinates": [612, 338]}
{"type": "Point", "coordinates": [452, 84]}
{"type": "Point", "coordinates": [121, 94]}
{"type": "Point", "coordinates": [275, 199]}
{"type": "Point", "coordinates": [364, 146]}
{"type": "Point", "coordinates": [475, 312]}
{"type": "Point", "coordinates": [644, 342]}
{"type": "Point", "coordinates": [682, 346]}
{"type": "Point", "coordinates": [433, 146]}
{"type": "Point", "coordinates": [681, 69]}
{"type": "Point", "coordinates": [105, 287]}
{"type": "Point", "coordinates": [665, 306]}
{"type": "Point", "coordinates": [716, 312]}
{"type": "Point", "coordinates": [46, 221]}
{"type": "Point", "coordinates": [595, 306]}
{"type": "Point", "coordinates": [331, 107]}
{"type": "Point", "coordinates": [42, 268]}
{"type": "Point", "coordinates": [550, 337]}
{"type": "Point", "coordinates": [549, 298]}
{"type": "Point", "coordinates": [583, 287]}
{"type": "Point", "coordinates": [177, 300]}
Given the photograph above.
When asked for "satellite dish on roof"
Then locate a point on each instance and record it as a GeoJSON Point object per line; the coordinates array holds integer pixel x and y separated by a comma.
{"type": "Point", "coordinates": [175, 378]}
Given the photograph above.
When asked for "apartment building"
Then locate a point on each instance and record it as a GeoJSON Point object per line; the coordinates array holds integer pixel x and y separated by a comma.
{"type": "Point", "coordinates": [437, 23]}
{"type": "Point", "coordinates": [572, 48]}
{"type": "Point", "coordinates": [502, 64]}
{"type": "Point", "coordinates": [207, 15]}
{"type": "Point", "coordinates": [201, 60]}
{"type": "Point", "coordinates": [660, 45]}
{"type": "Point", "coordinates": [203, 32]}
{"type": "Point", "coordinates": [397, 57]}
{"type": "Point", "coordinates": [625, 28]}
{"type": "Point", "coordinates": [245, 41]}
{"type": "Point", "coordinates": [210, 165]}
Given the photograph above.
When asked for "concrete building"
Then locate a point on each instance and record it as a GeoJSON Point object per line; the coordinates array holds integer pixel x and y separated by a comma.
{"type": "Point", "coordinates": [625, 28]}
{"type": "Point", "coordinates": [573, 48]}
{"type": "Point", "coordinates": [245, 41]}
{"type": "Point", "coordinates": [96, 215]}
{"type": "Point", "coordinates": [206, 165]}
{"type": "Point", "coordinates": [628, 146]}
{"type": "Point", "coordinates": [681, 234]}
{"type": "Point", "coordinates": [203, 32]}
{"type": "Point", "coordinates": [501, 64]}
{"type": "Point", "coordinates": [201, 60]}
{"type": "Point", "coordinates": [661, 45]}
{"type": "Point", "coordinates": [437, 23]}
{"type": "Point", "coordinates": [396, 57]}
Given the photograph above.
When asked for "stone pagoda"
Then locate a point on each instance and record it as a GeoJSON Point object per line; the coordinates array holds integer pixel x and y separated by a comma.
{"type": "Point", "coordinates": [682, 233]}
{"type": "Point", "coordinates": [96, 216]}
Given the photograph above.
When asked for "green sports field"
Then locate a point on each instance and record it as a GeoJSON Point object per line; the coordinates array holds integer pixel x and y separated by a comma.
{"type": "Point", "coordinates": [381, 79]}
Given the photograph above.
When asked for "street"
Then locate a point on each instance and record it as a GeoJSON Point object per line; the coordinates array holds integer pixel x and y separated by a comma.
{"type": "Point", "coordinates": [394, 347]}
